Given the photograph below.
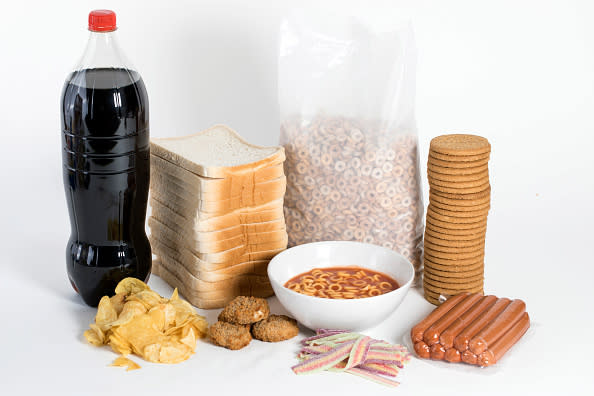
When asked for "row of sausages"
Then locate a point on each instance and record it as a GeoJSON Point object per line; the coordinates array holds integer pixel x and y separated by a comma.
{"type": "Point", "coordinates": [471, 328]}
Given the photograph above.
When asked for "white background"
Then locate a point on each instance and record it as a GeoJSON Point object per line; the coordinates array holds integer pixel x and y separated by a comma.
{"type": "Point", "coordinates": [520, 73]}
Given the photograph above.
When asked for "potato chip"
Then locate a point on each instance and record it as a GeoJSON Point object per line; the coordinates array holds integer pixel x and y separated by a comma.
{"type": "Point", "coordinates": [200, 325]}
{"type": "Point", "coordinates": [148, 298]}
{"type": "Point", "coordinates": [131, 286]}
{"type": "Point", "coordinates": [106, 313]}
{"type": "Point", "coordinates": [130, 310]}
{"type": "Point", "coordinates": [138, 320]}
{"type": "Point", "coordinates": [99, 333]}
{"type": "Point", "coordinates": [125, 362]}
{"type": "Point", "coordinates": [151, 352]}
{"type": "Point", "coordinates": [174, 352]}
{"type": "Point", "coordinates": [188, 336]}
{"type": "Point", "coordinates": [118, 301]}
{"type": "Point", "coordinates": [92, 338]}
{"type": "Point", "coordinates": [169, 314]}
{"type": "Point", "coordinates": [119, 345]}
{"type": "Point", "coordinates": [182, 306]}
{"type": "Point", "coordinates": [140, 332]}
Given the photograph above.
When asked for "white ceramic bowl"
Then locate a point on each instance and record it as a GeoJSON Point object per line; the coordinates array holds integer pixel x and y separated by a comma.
{"type": "Point", "coordinates": [351, 314]}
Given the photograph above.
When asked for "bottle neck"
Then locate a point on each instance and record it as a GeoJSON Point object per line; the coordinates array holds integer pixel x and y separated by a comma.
{"type": "Point", "coordinates": [103, 51]}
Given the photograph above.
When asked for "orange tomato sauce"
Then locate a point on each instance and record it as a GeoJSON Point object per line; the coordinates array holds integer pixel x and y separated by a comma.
{"type": "Point", "coordinates": [342, 283]}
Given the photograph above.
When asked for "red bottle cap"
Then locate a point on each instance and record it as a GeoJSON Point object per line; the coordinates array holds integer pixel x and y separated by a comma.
{"type": "Point", "coordinates": [102, 21]}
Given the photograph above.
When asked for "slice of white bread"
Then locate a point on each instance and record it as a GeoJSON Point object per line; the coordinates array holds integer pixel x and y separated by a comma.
{"type": "Point", "coordinates": [215, 245]}
{"type": "Point", "coordinates": [202, 286]}
{"type": "Point", "coordinates": [252, 214]}
{"type": "Point", "coordinates": [208, 300]}
{"type": "Point", "coordinates": [187, 190]}
{"type": "Point", "coordinates": [245, 285]}
{"type": "Point", "coordinates": [230, 185]}
{"type": "Point", "coordinates": [236, 285]}
{"type": "Point", "coordinates": [196, 265]}
{"type": "Point", "coordinates": [248, 268]}
{"type": "Point", "coordinates": [216, 152]}
{"type": "Point", "coordinates": [213, 208]}
{"type": "Point", "coordinates": [167, 216]}
{"type": "Point", "coordinates": [167, 184]}
{"type": "Point", "coordinates": [243, 253]}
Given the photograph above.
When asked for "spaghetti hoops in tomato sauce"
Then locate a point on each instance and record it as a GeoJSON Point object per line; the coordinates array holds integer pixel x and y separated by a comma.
{"type": "Point", "coordinates": [342, 283]}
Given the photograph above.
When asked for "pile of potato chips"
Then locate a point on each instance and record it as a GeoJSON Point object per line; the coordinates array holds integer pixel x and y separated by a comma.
{"type": "Point", "coordinates": [138, 320]}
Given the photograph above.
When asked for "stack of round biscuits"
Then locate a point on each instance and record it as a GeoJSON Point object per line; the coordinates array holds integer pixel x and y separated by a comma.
{"type": "Point", "coordinates": [459, 201]}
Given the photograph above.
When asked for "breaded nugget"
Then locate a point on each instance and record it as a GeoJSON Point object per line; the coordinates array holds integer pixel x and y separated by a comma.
{"type": "Point", "coordinates": [230, 336]}
{"type": "Point", "coordinates": [275, 328]}
{"type": "Point", "coordinates": [245, 310]}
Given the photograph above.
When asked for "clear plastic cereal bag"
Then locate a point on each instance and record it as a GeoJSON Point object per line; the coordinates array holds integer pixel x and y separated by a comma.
{"type": "Point", "coordinates": [346, 96]}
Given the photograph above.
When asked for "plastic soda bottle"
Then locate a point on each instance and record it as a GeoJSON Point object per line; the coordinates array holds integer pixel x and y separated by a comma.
{"type": "Point", "coordinates": [105, 154]}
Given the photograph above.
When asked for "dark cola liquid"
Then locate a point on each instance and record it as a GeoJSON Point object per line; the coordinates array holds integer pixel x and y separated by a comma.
{"type": "Point", "coordinates": [105, 142]}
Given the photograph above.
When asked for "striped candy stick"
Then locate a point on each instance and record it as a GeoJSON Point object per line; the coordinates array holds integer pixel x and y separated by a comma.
{"type": "Point", "coordinates": [325, 360]}
{"type": "Point", "coordinates": [382, 369]}
{"type": "Point", "coordinates": [316, 349]}
{"type": "Point", "coordinates": [373, 377]}
{"type": "Point", "coordinates": [359, 352]}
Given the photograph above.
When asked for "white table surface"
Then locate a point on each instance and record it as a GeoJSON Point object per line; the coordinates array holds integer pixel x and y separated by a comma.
{"type": "Point", "coordinates": [43, 349]}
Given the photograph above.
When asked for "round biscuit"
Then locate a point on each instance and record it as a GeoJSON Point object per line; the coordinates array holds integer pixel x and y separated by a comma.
{"type": "Point", "coordinates": [453, 253]}
{"type": "Point", "coordinates": [464, 255]}
{"type": "Point", "coordinates": [452, 283]}
{"type": "Point", "coordinates": [459, 279]}
{"type": "Point", "coordinates": [486, 200]}
{"type": "Point", "coordinates": [457, 218]}
{"type": "Point", "coordinates": [458, 184]}
{"type": "Point", "coordinates": [432, 300]}
{"type": "Point", "coordinates": [461, 191]}
{"type": "Point", "coordinates": [459, 158]}
{"type": "Point", "coordinates": [446, 263]}
{"type": "Point", "coordinates": [433, 297]}
{"type": "Point", "coordinates": [455, 287]}
{"type": "Point", "coordinates": [451, 270]}
{"type": "Point", "coordinates": [460, 208]}
{"type": "Point", "coordinates": [479, 271]}
{"type": "Point", "coordinates": [429, 230]}
{"type": "Point", "coordinates": [443, 241]}
{"type": "Point", "coordinates": [459, 232]}
{"type": "Point", "coordinates": [458, 195]}
{"type": "Point", "coordinates": [460, 144]}
{"type": "Point", "coordinates": [453, 178]}
{"type": "Point", "coordinates": [454, 268]}
{"type": "Point", "coordinates": [453, 291]}
{"type": "Point", "coordinates": [445, 171]}
{"type": "Point", "coordinates": [443, 248]}
{"type": "Point", "coordinates": [430, 218]}
{"type": "Point", "coordinates": [431, 292]}
{"type": "Point", "coordinates": [456, 164]}
{"type": "Point", "coordinates": [459, 213]}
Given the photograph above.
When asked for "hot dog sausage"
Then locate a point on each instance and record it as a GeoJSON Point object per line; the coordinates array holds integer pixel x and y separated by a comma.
{"type": "Point", "coordinates": [503, 344]}
{"type": "Point", "coordinates": [422, 350]}
{"type": "Point", "coordinates": [432, 334]}
{"type": "Point", "coordinates": [497, 327]}
{"type": "Point", "coordinates": [453, 355]}
{"type": "Point", "coordinates": [447, 337]}
{"type": "Point", "coordinates": [469, 357]}
{"type": "Point", "coordinates": [437, 352]}
{"type": "Point", "coordinates": [416, 333]}
{"type": "Point", "coordinates": [462, 339]}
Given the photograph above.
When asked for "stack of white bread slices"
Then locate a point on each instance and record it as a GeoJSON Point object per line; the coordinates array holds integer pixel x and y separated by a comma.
{"type": "Point", "coordinates": [217, 214]}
